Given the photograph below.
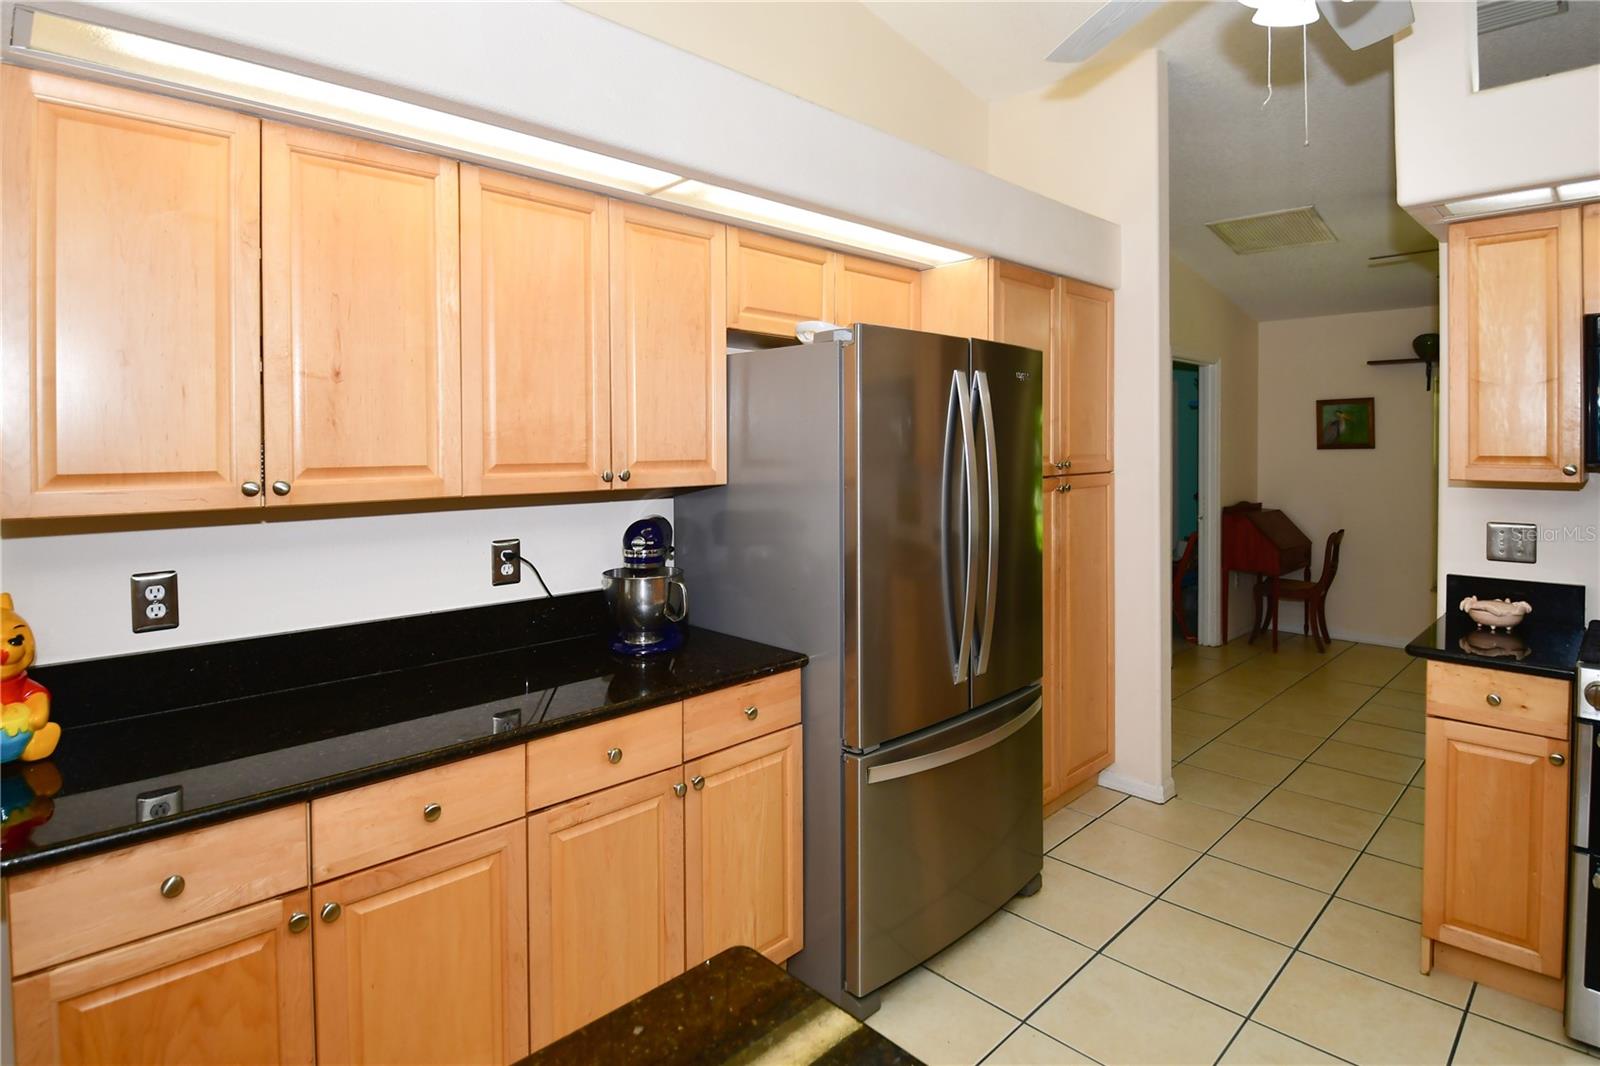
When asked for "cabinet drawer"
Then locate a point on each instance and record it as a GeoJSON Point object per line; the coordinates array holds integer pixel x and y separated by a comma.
{"type": "Point", "coordinates": [1500, 698]}
{"type": "Point", "coordinates": [732, 715]}
{"type": "Point", "coordinates": [68, 911]}
{"type": "Point", "coordinates": [366, 826]}
{"type": "Point", "coordinates": [574, 763]}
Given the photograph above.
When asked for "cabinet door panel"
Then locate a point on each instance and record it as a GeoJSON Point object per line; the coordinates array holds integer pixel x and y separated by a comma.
{"type": "Point", "coordinates": [605, 899]}
{"type": "Point", "coordinates": [132, 312]}
{"type": "Point", "coordinates": [361, 387]}
{"type": "Point", "coordinates": [742, 848]}
{"type": "Point", "coordinates": [1079, 616]}
{"type": "Point", "coordinates": [1078, 394]}
{"type": "Point", "coordinates": [428, 960]}
{"type": "Point", "coordinates": [535, 354]}
{"type": "Point", "coordinates": [1516, 404]}
{"type": "Point", "coordinates": [774, 284]}
{"type": "Point", "coordinates": [1024, 307]}
{"type": "Point", "coordinates": [669, 370]}
{"type": "Point", "coordinates": [231, 989]}
{"type": "Point", "coordinates": [1494, 848]}
{"type": "Point", "coordinates": [879, 294]}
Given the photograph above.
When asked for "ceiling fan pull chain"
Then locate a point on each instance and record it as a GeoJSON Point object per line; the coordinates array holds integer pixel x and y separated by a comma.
{"type": "Point", "coordinates": [1305, 81]}
{"type": "Point", "coordinates": [1268, 100]}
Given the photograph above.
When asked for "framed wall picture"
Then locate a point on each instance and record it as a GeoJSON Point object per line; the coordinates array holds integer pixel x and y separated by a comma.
{"type": "Point", "coordinates": [1351, 423]}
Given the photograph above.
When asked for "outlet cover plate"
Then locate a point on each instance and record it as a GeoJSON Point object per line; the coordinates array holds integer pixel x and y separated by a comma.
{"type": "Point", "coordinates": [159, 803]}
{"type": "Point", "coordinates": [155, 600]}
{"type": "Point", "coordinates": [1513, 542]}
{"type": "Point", "coordinates": [502, 572]}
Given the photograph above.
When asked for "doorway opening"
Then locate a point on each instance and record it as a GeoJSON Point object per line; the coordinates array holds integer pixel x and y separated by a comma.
{"type": "Point", "coordinates": [1196, 453]}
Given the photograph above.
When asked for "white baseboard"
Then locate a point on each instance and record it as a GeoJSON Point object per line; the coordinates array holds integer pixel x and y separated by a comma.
{"type": "Point", "coordinates": [1134, 786]}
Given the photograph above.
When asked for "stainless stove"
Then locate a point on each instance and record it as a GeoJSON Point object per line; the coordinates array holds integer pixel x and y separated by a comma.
{"type": "Point", "coordinates": [1583, 921]}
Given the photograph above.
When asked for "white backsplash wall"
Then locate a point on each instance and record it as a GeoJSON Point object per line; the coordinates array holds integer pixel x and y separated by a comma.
{"type": "Point", "coordinates": [272, 576]}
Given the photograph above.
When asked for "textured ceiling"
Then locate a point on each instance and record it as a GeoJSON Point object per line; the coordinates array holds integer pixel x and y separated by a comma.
{"type": "Point", "coordinates": [1228, 155]}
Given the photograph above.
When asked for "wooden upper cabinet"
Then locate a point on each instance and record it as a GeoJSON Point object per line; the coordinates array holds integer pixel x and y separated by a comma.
{"type": "Point", "coordinates": [1494, 868]}
{"type": "Point", "coordinates": [775, 284]}
{"type": "Point", "coordinates": [1078, 392]}
{"type": "Point", "coordinates": [879, 294]}
{"type": "Point", "coordinates": [1079, 615]}
{"type": "Point", "coordinates": [1515, 359]}
{"type": "Point", "coordinates": [669, 349]}
{"type": "Point", "coordinates": [1591, 259]}
{"type": "Point", "coordinates": [535, 336]}
{"type": "Point", "coordinates": [605, 901]}
{"type": "Point", "coordinates": [955, 299]}
{"type": "Point", "coordinates": [426, 960]}
{"type": "Point", "coordinates": [743, 863]}
{"type": "Point", "coordinates": [362, 376]}
{"type": "Point", "coordinates": [1022, 308]}
{"type": "Point", "coordinates": [131, 320]}
{"type": "Point", "coordinates": [230, 989]}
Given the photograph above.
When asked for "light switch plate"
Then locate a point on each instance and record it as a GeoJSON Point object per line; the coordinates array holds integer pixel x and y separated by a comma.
{"type": "Point", "coordinates": [155, 600]}
{"type": "Point", "coordinates": [1513, 542]}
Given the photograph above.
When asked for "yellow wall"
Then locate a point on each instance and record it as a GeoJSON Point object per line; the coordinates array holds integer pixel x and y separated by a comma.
{"type": "Point", "coordinates": [838, 55]}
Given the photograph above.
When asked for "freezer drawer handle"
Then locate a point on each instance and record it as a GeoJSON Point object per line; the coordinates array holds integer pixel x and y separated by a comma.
{"type": "Point", "coordinates": [935, 759]}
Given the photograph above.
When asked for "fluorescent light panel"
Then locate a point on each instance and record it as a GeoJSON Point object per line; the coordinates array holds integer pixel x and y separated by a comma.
{"type": "Point", "coordinates": [1579, 190]}
{"type": "Point", "coordinates": [148, 58]}
{"type": "Point", "coordinates": [1504, 201]}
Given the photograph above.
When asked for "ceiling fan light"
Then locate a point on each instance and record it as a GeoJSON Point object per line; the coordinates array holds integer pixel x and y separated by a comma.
{"type": "Point", "coordinates": [1275, 13]}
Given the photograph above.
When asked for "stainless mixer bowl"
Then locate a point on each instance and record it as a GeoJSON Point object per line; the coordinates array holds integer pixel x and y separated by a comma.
{"type": "Point", "coordinates": [641, 602]}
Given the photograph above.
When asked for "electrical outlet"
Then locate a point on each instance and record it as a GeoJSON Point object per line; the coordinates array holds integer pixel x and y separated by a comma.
{"type": "Point", "coordinates": [1513, 542]}
{"type": "Point", "coordinates": [159, 803]}
{"type": "Point", "coordinates": [155, 601]}
{"type": "Point", "coordinates": [504, 570]}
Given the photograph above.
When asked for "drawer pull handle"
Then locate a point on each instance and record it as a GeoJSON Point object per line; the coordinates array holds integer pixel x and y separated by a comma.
{"type": "Point", "coordinates": [330, 911]}
{"type": "Point", "coordinates": [431, 812]}
{"type": "Point", "coordinates": [698, 782]}
{"type": "Point", "coordinates": [1570, 470]}
{"type": "Point", "coordinates": [172, 887]}
{"type": "Point", "coordinates": [751, 712]}
{"type": "Point", "coordinates": [1557, 759]}
{"type": "Point", "coordinates": [613, 755]}
{"type": "Point", "coordinates": [678, 790]}
{"type": "Point", "coordinates": [299, 922]}
{"type": "Point", "coordinates": [250, 488]}
{"type": "Point", "coordinates": [1493, 699]}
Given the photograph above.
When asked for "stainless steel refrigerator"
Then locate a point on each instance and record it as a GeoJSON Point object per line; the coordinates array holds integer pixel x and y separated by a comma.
{"type": "Point", "coordinates": [883, 514]}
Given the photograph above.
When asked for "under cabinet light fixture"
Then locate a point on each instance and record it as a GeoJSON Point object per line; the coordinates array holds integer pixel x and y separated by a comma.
{"type": "Point", "coordinates": [1578, 190]}
{"type": "Point", "coordinates": [70, 44]}
{"type": "Point", "coordinates": [758, 210]}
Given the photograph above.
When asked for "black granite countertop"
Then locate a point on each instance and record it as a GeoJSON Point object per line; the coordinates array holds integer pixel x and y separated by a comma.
{"type": "Point", "coordinates": [383, 698]}
{"type": "Point", "coordinates": [735, 1007]}
{"type": "Point", "coordinates": [1545, 644]}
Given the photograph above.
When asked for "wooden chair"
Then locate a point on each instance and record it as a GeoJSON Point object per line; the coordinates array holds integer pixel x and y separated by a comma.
{"type": "Point", "coordinates": [1180, 570]}
{"type": "Point", "coordinates": [1314, 594]}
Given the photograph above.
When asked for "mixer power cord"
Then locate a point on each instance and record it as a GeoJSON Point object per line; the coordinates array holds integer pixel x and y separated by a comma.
{"type": "Point", "coordinates": [508, 555]}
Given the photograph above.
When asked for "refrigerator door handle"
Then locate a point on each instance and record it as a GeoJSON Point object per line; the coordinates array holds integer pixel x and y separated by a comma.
{"type": "Point", "coordinates": [992, 587]}
{"type": "Point", "coordinates": [934, 759]}
{"type": "Point", "coordinates": [955, 641]}
{"type": "Point", "coordinates": [969, 459]}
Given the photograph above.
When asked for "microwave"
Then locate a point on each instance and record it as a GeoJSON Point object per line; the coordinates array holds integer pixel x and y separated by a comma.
{"type": "Point", "coordinates": [1591, 392]}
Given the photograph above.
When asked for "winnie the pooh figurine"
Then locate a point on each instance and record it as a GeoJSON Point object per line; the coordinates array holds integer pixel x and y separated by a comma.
{"type": "Point", "coordinates": [26, 731]}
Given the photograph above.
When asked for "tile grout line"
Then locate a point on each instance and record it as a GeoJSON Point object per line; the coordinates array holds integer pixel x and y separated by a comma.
{"type": "Point", "coordinates": [1461, 1027]}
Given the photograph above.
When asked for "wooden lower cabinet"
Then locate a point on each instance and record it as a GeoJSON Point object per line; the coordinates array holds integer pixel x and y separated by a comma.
{"type": "Point", "coordinates": [1494, 843]}
{"type": "Point", "coordinates": [1078, 668]}
{"type": "Point", "coordinates": [230, 989]}
{"type": "Point", "coordinates": [742, 849]}
{"type": "Point", "coordinates": [425, 959]}
{"type": "Point", "coordinates": [605, 901]}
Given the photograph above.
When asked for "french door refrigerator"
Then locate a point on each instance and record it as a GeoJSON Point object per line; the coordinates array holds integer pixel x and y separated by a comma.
{"type": "Point", "coordinates": [883, 513]}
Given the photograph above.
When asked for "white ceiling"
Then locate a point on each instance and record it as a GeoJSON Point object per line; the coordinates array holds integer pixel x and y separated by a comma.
{"type": "Point", "coordinates": [1229, 156]}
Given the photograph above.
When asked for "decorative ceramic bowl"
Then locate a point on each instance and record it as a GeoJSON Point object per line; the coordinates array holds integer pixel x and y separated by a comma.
{"type": "Point", "coordinates": [1496, 615]}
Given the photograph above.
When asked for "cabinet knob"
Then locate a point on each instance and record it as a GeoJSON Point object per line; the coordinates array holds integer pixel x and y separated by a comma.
{"type": "Point", "coordinates": [613, 755]}
{"type": "Point", "coordinates": [1063, 464]}
{"type": "Point", "coordinates": [172, 887]}
{"type": "Point", "coordinates": [625, 475]}
{"type": "Point", "coordinates": [751, 712]}
{"type": "Point", "coordinates": [1063, 487]}
{"type": "Point", "coordinates": [251, 488]}
{"type": "Point", "coordinates": [1557, 759]}
{"type": "Point", "coordinates": [431, 812]}
{"type": "Point", "coordinates": [1571, 470]}
{"type": "Point", "coordinates": [1493, 699]}
{"type": "Point", "coordinates": [678, 790]}
{"type": "Point", "coordinates": [1595, 880]}
{"type": "Point", "coordinates": [605, 475]}
{"type": "Point", "coordinates": [330, 911]}
{"type": "Point", "coordinates": [299, 922]}
{"type": "Point", "coordinates": [698, 782]}
{"type": "Point", "coordinates": [280, 488]}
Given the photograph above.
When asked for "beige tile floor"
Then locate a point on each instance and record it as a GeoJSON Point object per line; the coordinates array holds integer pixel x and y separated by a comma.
{"type": "Point", "coordinates": [1267, 914]}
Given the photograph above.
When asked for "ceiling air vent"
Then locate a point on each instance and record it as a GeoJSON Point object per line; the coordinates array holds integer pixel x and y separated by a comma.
{"type": "Point", "coordinates": [1503, 14]}
{"type": "Point", "coordinates": [1275, 229]}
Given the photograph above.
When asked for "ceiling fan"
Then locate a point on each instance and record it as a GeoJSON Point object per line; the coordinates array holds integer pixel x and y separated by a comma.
{"type": "Point", "coordinates": [1358, 23]}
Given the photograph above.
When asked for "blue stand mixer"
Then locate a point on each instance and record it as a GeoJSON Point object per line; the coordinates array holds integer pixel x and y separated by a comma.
{"type": "Point", "coordinates": [639, 593]}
